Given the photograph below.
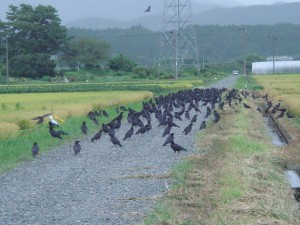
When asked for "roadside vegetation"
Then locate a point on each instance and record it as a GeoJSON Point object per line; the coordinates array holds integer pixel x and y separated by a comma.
{"type": "Point", "coordinates": [236, 178]}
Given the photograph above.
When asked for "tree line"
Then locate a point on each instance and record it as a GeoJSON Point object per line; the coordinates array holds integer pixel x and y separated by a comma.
{"type": "Point", "coordinates": [35, 35]}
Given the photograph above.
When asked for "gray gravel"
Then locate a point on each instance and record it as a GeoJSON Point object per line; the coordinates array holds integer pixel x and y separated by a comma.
{"type": "Point", "coordinates": [98, 187]}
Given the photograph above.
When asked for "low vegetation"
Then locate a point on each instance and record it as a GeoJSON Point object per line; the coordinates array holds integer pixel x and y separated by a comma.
{"type": "Point", "coordinates": [234, 179]}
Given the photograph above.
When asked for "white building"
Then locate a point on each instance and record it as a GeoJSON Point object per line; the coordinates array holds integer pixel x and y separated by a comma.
{"type": "Point", "coordinates": [279, 66]}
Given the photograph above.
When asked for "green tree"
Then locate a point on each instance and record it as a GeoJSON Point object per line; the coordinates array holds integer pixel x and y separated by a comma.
{"type": "Point", "coordinates": [33, 32]}
{"type": "Point", "coordinates": [90, 53]}
{"type": "Point", "coordinates": [121, 63]}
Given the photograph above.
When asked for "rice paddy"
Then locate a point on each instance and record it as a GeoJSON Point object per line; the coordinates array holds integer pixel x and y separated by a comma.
{"type": "Point", "coordinates": [17, 110]}
{"type": "Point", "coordinates": [283, 88]}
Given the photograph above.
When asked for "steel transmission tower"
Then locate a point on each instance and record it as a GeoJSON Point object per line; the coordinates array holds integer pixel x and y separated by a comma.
{"type": "Point", "coordinates": [178, 45]}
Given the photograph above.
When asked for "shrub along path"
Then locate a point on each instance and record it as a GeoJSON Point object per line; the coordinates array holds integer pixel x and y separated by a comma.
{"type": "Point", "coordinates": [105, 185]}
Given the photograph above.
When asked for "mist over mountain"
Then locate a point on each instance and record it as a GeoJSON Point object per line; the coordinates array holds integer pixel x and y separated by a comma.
{"type": "Point", "coordinates": [206, 14]}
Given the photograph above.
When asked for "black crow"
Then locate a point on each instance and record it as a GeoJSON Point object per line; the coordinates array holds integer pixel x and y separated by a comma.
{"type": "Point", "coordinates": [208, 112]}
{"type": "Point", "coordinates": [40, 119]}
{"type": "Point", "coordinates": [97, 136]}
{"type": "Point", "coordinates": [35, 149]}
{"type": "Point", "coordinates": [84, 128]}
{"type": "Point", "coordinates": [188, 129]}
{"type": "Point", "coordinates": [129, 133]}
{"type": "Point", "coordinates": [167, 131]}
{"type": "Point", "coordinates": [246, 106]}
{"type": "Point", "coordinates": [203, 125]}
{"type": "Point", "coordinates": [169, 139]}
{"type": "Point", "coordinates": [148, 9]}
{"type": "Point", "coordinates": [55, 133]}
{"type": "Point", "coordinates": [281, 114]}
{"type": "Point", "coordinates": [217, 116]}
{"type": "Point", "coordinates": [115, 141]}
{"type": "Point", "coordinates": [76, 148]}
{"type": "Point", "coordinates": [176, 147]}
{"type": "Point", "coordinates": [290, 115]}
{"type": "Point", "coordinates": [194, 119]}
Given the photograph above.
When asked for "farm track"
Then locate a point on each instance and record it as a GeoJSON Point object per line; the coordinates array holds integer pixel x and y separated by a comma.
{"type": "Point", "coordinates": [105, 185]}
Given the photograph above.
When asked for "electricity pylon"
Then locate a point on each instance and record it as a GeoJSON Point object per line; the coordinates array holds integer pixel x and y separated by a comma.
{"type": "Point", "coordinates": [178, 45]}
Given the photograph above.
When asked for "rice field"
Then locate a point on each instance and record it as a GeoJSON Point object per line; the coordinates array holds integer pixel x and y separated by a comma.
{"type": "Point", "coordinates": [17, 110]}
{"type": "Point", "coordinates": [283, 88]}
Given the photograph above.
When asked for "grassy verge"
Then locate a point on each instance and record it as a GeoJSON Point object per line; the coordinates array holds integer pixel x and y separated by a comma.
{"type": "Point", "coordinates": [235, 179]}
{"type": "Point", "coordinates": [248, 83]}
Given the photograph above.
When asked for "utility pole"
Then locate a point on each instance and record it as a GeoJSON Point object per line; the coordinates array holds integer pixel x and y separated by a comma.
{"type": "Point", "coordinates": [273, 38]}
{"type": "Point", "coordinates": [7, 64]}
{"type": "Point", "coordinates": [244, 30]}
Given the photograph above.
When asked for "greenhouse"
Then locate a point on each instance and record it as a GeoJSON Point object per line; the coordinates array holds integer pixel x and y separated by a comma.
{"type": "Point", "coordinates": [279, 67]}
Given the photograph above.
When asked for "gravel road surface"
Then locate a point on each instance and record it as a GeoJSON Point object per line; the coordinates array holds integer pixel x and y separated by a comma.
{"type": "Point", "coordinates": [105, 185]}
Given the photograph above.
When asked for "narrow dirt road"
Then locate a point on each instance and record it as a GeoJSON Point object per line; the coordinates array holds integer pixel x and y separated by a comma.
{"type": "Point", "coordinates": [105, 185]}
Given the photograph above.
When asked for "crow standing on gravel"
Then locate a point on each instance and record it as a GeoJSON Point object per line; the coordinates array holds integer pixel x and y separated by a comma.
{"type": "Point", "coordinates": [115, 141]}
{"type": "Point", "coordinates": [203, 125]}
{"type": "Point", "coordinates": [176, 147]}
{"type": "Point", "coordinates": [188, 129]}
{"type": "Point", "coordinates": [129, 133]}
{"type": "Point", "coordinates": [35, 149]}
{"type": "Point", "coordinates": [169, 139]}
{"type": "Point", "coordinates": [76, 148]}
{"type": "Point", "coordinates": [97, 136]}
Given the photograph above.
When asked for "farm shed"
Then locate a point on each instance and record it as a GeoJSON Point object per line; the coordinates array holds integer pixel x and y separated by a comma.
{"type": "Point", "coordinates": [280, 67]}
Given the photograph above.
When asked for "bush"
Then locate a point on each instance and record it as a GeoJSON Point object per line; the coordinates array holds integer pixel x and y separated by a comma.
{"type": "Point", "coordinates": [47, 78]}
{"type": "Point", "coordinates": [24, 124]}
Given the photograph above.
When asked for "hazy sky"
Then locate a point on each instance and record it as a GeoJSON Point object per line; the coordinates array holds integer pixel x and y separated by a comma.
{"type": "Point", "coordinates": [69, 10]}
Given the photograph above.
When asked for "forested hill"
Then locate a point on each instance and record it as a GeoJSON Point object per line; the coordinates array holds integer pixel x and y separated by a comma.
{"type": "Point", "coordinates": [250, 15]}
{"type": "Point", "coordinates": [216, 43]}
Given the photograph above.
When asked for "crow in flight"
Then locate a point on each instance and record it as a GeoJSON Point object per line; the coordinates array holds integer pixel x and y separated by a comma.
{"type": "Point", "coordinates": [35, 149]}
{"type": "Point", "coordinates": [41, 118]}
{"type": "Point", "coordinates": [148, 9]}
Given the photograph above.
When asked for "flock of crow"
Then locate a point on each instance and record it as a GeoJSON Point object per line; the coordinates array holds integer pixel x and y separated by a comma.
{"type": "Point", "coordinates": [167, 110]}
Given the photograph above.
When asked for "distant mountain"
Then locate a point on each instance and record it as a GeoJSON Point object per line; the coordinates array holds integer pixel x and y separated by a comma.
{"type": "Point", "coordinates": [209, 14]}
{"type": "Point", "coordinates": [251, 15]}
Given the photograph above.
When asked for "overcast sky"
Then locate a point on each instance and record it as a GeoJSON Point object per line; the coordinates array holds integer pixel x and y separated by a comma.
{"type": "Point", "coordinates": [69, 10]}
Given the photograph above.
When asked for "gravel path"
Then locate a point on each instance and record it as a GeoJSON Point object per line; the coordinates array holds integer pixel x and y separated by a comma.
{"type": "Point", "coordinates": [99, 187]}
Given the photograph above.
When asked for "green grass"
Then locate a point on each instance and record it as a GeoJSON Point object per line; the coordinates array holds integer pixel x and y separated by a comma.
{"type": "Point", "coordinates": [248, 83]}
{"type": "Point", "coordinates": [158, 214]}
